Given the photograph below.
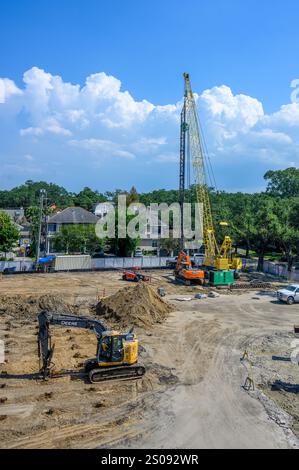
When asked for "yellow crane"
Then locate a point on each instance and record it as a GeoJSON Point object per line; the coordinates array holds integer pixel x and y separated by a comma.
{"type": "Point", "coordinates": [220, 258]}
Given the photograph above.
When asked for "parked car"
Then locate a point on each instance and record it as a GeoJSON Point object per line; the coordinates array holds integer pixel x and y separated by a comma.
{"type": "Point", "coordinates": [198, 259]}
{"type": "Point", "coordinates": [171, 263]}
{"type": "Point", "coordinates": [290, 294]}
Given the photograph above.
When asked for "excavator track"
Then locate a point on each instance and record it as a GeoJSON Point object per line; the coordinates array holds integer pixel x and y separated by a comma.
{"type": "Point", "coordinates": [116, 373]}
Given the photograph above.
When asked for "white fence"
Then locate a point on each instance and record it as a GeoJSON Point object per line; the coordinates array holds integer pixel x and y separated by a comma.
{"type": "Point", "coordinates": [124, 263]}
{"type": "Point", "coordinates": [16, 266]}
{"type": "Point", "coordinates": [147, 262]}
{"type": "Point", "coordinates": [280, 270]}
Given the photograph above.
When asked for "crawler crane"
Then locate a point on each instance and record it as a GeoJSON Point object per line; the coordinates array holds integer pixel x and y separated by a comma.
{"type": "Point", "coordinates": [219, 258]}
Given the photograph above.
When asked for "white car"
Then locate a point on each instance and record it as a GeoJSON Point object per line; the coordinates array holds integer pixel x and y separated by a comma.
{"type": "Point", "coordinates": [290, 294]}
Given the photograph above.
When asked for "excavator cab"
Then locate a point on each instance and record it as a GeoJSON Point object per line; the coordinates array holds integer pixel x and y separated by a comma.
{"type": "Point", "coordinates": [117, 349]}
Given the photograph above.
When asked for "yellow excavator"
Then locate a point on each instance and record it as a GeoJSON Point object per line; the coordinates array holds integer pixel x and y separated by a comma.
{"type": "Point", "coordinates": [116, 355]}
{"type": "Point", "coordinates": [219, 258]}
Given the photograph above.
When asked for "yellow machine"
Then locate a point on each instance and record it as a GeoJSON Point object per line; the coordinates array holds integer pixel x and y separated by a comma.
{"type": "Point", "coordinates": [220, 258]}
{"type": "Point", "coordinates": [116, 355]}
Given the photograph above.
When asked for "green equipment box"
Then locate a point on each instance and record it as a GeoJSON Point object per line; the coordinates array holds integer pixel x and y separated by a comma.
{"type": "Point", "coordinates": [222, 278]}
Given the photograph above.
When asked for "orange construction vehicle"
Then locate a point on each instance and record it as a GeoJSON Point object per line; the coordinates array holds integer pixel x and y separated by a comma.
{"type": "Point", "coordinates": [135, 276]}
{"type": "Point", "coordinates": [185, 273]}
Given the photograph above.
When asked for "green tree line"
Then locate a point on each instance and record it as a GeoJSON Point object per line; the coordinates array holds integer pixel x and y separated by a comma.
{"type": "Point", "coordinates": [266, 222]}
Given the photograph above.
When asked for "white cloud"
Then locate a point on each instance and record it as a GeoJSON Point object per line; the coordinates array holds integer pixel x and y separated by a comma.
{"type": "Point", "coordinates": [8, 89]}
{"type": "Point", "coordinates": [103, 147]}
{"type": "Point", "coordinates": [36, 131]}
{"type": "Point", "coordinates": [167, 158]}
{"type": "Point", "coordinates": [56, 120]}
{"type": "Point", "coordinates": [29, 157]}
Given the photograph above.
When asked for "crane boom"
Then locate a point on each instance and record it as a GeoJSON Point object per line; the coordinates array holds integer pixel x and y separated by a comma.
{"type": "Point", "coordinates": [219, 258]}
{"type": "Point", "coordinates": [198, 162]}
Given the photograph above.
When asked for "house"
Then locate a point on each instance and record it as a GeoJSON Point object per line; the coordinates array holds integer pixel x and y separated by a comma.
{"type": "Point", "coordinates": [19, 219]}
{"type": "Point", "coordinates": [154, 229]}
{"type": "Point", "coordinates": [69, 216]}
{"type": "Point", "coordinates": [101, 209]}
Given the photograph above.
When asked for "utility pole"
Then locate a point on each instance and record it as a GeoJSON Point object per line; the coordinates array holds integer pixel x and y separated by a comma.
{"type": "Point", "coordinates": [42, 197]}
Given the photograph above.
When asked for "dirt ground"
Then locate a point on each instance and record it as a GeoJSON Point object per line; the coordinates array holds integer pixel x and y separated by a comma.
{"type": "Point", "coordinates": [192, 395]}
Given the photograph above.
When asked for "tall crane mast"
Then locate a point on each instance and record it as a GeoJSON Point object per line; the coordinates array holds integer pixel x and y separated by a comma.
{"type": "Point", "coordinates": [219, 258]}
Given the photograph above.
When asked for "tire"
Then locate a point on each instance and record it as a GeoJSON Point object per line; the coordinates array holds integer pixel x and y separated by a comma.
{"type": "Point", "coordinates": [291, 301]}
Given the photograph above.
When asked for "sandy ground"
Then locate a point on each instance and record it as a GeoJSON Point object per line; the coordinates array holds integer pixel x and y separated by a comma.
{"type": "Point", "coordinates": [192, 395]}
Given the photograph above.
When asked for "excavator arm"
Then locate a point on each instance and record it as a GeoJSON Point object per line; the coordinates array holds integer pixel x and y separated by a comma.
{"type": "Point", "coordinates": [45, 347]}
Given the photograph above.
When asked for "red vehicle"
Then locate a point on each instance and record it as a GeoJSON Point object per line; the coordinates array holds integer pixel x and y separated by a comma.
{"type": "Point", "coordinates": [135, 276]}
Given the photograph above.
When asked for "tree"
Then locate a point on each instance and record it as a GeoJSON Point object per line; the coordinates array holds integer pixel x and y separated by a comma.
{"type": "Point", "coordinates": [170, 245]}
{"type": "Point", "coordinates": [133, 195]}
{"type": "Point", "coordinates": [77, 239]}
{"type": "Point", "coordinates": [265, 227]}
{"type": "Point", "coordinates": [87, 198]}
{"type": "Point", "coordinates": [27, 195]}
{"type": "Point", "coordinates": [123, 246]}
{"type": "Point", "coordinates": [9, 234]}
{"type": "Point", "coordinates": [283, 183]}
{"type": "Point", "coordinates": [288, 230]}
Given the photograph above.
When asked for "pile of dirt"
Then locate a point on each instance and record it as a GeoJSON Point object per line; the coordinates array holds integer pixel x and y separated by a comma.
{"type": "Point", "coordinates": [135, 306]}
{"type": "Point", "coordinates": [28, 307]}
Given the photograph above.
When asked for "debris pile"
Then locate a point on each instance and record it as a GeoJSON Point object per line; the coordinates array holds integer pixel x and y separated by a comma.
{"type": "Point", "coordinates": [28, 307]}
{"type": "Point", "coordinates": [134, 306]}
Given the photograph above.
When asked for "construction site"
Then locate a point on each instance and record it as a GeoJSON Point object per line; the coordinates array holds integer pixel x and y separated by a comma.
{"type": "Point", "coordinates": [192, 394]}
{"type": "Point", "coordinates": [201, 356]}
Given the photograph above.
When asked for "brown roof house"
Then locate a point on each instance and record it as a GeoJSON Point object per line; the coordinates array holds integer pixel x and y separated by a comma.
{"type": "Point", "coordinates": [69, 216]}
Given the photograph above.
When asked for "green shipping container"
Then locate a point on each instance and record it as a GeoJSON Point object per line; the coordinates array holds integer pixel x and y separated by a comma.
{"type": "Point", "coordinates": [229, 277]}
{"type": "Point", "coordinates": [221, 278]}
{"type": "Point", "coordinates": [217, 278]}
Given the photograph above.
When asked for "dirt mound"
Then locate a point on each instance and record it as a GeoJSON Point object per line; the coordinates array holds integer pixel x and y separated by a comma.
{"type": "Point", "coordinates": [135, 306]}
{"type": "Point", "coordinates": [27, 307]}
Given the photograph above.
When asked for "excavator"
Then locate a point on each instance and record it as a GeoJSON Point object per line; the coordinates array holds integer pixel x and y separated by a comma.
{"type": "Point", "coordinates": [192, 148]}
{"type": "Point", "coordinates": [185, 273]}
{"type": "Point", "coordinates": [116, 355]}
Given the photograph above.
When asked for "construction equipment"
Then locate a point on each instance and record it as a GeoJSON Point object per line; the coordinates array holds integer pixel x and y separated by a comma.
{"type": "Point", "coordinates": [116, 355]}
{"type": "Point", "coordinates": [135, 276]}
{"type": "Point", "coordinates": [185, 273]}
{"type": "Point", "coordinates": [220, 258]}
{"type": "Point", "coordinates": [252, 285]}
{"type": "Point", "coordinates": [221, 278]}
{"type": "Point", "coordinates": [161, 291]}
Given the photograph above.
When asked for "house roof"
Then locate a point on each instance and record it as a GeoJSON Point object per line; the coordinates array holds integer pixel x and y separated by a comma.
{"type": "Point", "coordinates": [73, 215]}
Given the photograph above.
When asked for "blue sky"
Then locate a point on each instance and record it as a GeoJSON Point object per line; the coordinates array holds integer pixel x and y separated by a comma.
{"type": "Point", "coordinates": [242, 57]}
